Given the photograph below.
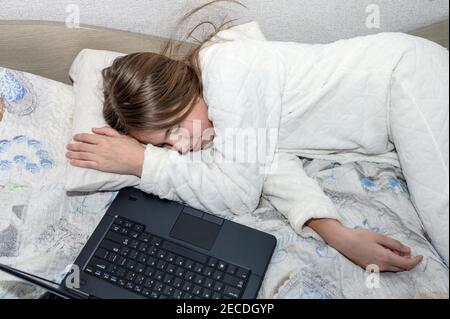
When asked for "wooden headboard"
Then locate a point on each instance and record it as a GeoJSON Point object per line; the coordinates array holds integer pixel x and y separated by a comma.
{"type": "Point", "coordinates": [48, 48]}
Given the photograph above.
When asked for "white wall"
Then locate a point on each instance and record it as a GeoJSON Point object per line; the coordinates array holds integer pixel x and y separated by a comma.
{"type": "Point", "coordinates": [309, 21]}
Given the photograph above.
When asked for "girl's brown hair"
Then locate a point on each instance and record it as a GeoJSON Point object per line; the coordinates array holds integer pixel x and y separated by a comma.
{"type": "Point", "coordinates": [155, 91]}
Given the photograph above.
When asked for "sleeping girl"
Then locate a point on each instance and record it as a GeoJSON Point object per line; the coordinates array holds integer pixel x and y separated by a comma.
{"type": "Point", "coordinates": [227, 123]}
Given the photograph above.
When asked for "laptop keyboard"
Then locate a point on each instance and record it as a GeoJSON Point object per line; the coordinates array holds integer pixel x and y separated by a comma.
{"type": "Point", "coordinates": [157, 268]}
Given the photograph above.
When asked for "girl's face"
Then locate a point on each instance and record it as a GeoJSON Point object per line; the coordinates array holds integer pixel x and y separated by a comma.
{"type": "Point", "coordinates": [194, 133]}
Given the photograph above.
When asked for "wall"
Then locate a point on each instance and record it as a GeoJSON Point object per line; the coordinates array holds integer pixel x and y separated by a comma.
{"type": "Point", "coordinates": [311, 21]}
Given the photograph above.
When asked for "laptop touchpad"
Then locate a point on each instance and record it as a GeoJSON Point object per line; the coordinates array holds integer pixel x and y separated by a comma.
{"type": "Point", "coordinates": [196, 231]}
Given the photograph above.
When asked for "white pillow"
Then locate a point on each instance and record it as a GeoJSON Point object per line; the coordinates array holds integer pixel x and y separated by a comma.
{"type": "Point", "coordinates": [85, 73]}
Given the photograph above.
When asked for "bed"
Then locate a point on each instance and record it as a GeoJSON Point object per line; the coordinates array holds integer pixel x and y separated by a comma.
{"type": "Point", "coordinates": [45, 238]}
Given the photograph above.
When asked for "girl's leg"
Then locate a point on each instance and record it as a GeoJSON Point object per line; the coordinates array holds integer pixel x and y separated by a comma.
{"type": "Point", "coordinates": [419, 128]}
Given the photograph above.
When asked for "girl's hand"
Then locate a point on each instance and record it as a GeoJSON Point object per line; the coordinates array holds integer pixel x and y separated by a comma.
{"type": "Point", "coordinates": [364, 247]}
{"type": "Point", "coordinates": [107, 150]}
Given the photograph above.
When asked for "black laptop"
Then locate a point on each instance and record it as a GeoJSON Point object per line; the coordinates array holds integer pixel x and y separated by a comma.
{"type": "Point", "coordinates": [147, 247]}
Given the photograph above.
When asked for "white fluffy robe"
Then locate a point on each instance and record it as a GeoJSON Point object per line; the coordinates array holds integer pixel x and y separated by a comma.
{"type": "Point", "coordinates": [381, 98]}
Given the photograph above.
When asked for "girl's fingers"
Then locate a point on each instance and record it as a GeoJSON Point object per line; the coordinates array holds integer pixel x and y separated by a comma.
{"type": "Point", "coordinates": [87, 138]}
{"type": "Point", "coordinates": [393, 244]}
{"type": "Point", "coordinates": [393, 268]}
{"type": "Point", "coordinates": [81, 147]}
{"type": "Point", "coordinates": [85, 164]}
{"type": "Point", "coordinates": [85, 156]}
{"type": "Point", "coordinates": [404, 263]}
{"type": "Point", "coordinates": [108, 131]}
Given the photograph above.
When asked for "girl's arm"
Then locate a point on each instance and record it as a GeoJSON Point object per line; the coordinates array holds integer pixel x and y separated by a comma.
{"type": "Point", "coordinates": [298, 197]}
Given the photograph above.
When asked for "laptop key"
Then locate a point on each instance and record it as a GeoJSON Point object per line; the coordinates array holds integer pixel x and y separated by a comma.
{"type": "Point", "coordinates": [171, 269]}
{"type": "Point", "coordinates": [149, 271]}
{"type": "Point", "coordinates": [158, 287]}
{"type": "Point", "coordinates": [111, 246]}
{"type": "Point", "coordinates": [130, 276]}
{"type": "Point", "coordinates": [231, 292]}
{"type": "Point", "coordinates": [221, 265]}
{"type": "Point", "coordinates": [124, 251]}
{"type": "Point", "coordinates": [99, 263]}
{"type": "Point", "coordinates": [177, 282]}
{"type": "Point", "coordinates": [113, 257]}
{"type": "Point", "coordinates": [133, 234]}
{"type": "Point", "coordinates": [187, 296]}
{"type": "Point", "coordinates": [189, 264]}
{"type": "Point", "coordinates": [168, 291]}
{"type": "Point", "coordinates": [198, 268]}
{"type": "Point", "coordinates": [189, 276]}
{"type": "Point", "coordinates": [102, 253]}
{"type": "Point", "coordinates": [218, 287]}
{"type": "Point", "coordinates": [142, 258]}
{"type": "Point", "coordinates": [146, 293]}
{"type": "Point", "coordinates": [131, 264]}
{"type": "Point", "coordinates": [143, 247]}
{"type": "Point", "coordinates": [152, 250]}
{"type": "Point", "coordinates": [168, 279]}
{"type": "Point", "coordinates": [118, 221]}
{"type": "Point", "coordinates": [233, 281]}
{"type": "Point", "coordinates": [180, 250]}
{"type": "Point", "coordinates": [187, 287]}
{"type": "Point", "coordinates": [207, 294]}
{"type": "Point", "coordinates": [154, 295]}
{"type": "Point", "coordinates": [122, 261]}
{"type": "Point", "coordinates": [197, 290]}
{"type": "Point", "coordinates": [208, 271]}
{"type": "Point", "coordinates": [118, 238]}
{"type": "Point", "coordinates": [218, 275]}
{"type": "Point", "coordinates": [216, 295]}
{"type": "Point", "coordinates": [179, 261]}
{"type": "Point", "coordinates": [89, 270]}
{"type": "Point", "coordinates": [139, 268]}
{"type": "Point", "coordinates": [134, 244]}
{"type": "Point", "coordinates": [212, 262]}
{"type": "Point", "coordinates": [199, 279]}
{"type": "Point", "coordinates": [159, 275]}
{"type": "Point", "coordinates": [152, 261]}
{"type": "Point", "coordinates": [231, 269]}
{"type": "Point", "coordinates": [156, 241]}
{"type": "Point", "coordinates": [178, 294]}
{"type": "Point", "coordinates": [209, 283]}
{"type": "Point", "coordinates": [144, 237]}
{"type": "Point", "coordinates": [121, 272]}
{"type": "Point", "coordinates": [170, 257]}
{"type": "Point", "coordinates": [180, 272]}
{"type": "Point", "coordinates": [127, 224]}
{"type": "Point", "coordinates": [139, 280]}
{"type": "Point", "coordinates": [242, 273]}
{"type": "Point", "coordinates": [161, 265]}
{"type": "Point", "coordinates": [149, 283]}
